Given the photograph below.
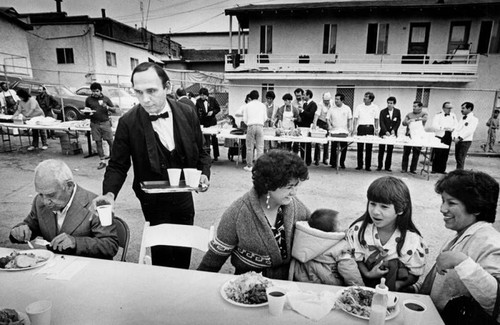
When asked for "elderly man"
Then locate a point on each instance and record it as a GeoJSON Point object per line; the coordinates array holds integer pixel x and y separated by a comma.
{"type": "Point", "coordinates": [61, 214]}
{"type": "Point", "coordinates": [154, 136]}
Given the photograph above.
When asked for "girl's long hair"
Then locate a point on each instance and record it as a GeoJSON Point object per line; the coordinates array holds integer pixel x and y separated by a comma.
{"type": "Point", "coordinates": [390, 190]}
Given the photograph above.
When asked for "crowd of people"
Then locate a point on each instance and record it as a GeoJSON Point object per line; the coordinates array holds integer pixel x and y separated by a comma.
{"type": "Point", "coordinates": [260, 231]}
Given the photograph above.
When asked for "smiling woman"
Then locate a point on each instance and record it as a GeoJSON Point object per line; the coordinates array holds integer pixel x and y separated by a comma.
{"type": "Point", "coordinates": [257, 230]}
{"type": "Point", "coordinates": [469, 262]}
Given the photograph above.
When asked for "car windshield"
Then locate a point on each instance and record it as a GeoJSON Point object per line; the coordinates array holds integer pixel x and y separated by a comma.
{"type": "Point", "coordinates": [59, 91]}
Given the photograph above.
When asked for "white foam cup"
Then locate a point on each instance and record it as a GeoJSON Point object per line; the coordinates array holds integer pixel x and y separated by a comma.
{"type": "Point", "coordinates": [276, 298]}
{"type": "Point", "coordinates": [174, 175]}
{"type": "Point", "coordinates": [413, 310]}
{"type": "Point", "coordinates": [39, 312]}
{"type": "Point", "coordinates": [105, 213]}
{"type": "Point", "coordinates": [192, 176]}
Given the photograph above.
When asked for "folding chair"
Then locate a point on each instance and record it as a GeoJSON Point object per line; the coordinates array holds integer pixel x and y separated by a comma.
{"type": "Point", "coordinates": [168, 234]}
{"type": "Point", "coordinates": [123, 236]}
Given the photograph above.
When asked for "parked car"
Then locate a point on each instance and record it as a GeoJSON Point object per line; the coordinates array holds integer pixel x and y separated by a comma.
{"type": "Point", "coordinates": [72, 103]}
{"type": "Point", "coordinates": [120, 98]}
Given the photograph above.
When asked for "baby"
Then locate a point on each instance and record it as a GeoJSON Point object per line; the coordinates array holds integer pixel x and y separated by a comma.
{"type": "Point", "coordinates": [321, 254]}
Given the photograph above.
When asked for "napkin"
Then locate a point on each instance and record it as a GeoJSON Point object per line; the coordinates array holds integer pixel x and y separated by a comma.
{"type": "Point", "coordinates": [312, 305]}
{"type": "Point", "coordinates": [62, 268]}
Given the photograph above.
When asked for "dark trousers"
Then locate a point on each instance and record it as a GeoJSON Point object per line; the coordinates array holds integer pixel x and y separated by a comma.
{"type": "Point", "coordinates": [333, 154]}
{"type": "Point", "coordinates": [43, 135]}
{"type": "Point", "coordinates": [414, 158]}
{"type": "Point", "coordinates": [461, 149]}
{"type": "Point", "coordinates": [215, 144]}
{"type": "Point", "coordinates": [440, 156]}
{"type": "Point", "coordinates": [388, 156]}
{"type": "Point", "coordinates": [317, 152]}
{"type": "Point", "coordinates": [175, 208]}
{"type": "Point", "coordinates": [305, 152]}
{"type": "Point", "coordinates": [365, 130]}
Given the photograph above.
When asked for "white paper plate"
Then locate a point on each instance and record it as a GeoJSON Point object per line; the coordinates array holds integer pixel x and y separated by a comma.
{"type": "Point", "coordinates": [393, 314]}
{"type": "Point", "coordinates": [48, 255]}
{"type": "Point", "coordinates": [226, 298]}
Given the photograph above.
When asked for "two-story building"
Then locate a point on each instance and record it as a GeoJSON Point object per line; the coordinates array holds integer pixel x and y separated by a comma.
{"type": "Point", "coordinates": [432, 51]}
{"type": "Point", "coordinates": [15, 58]}
{"type": "Point", "coordinates": [74, 50]}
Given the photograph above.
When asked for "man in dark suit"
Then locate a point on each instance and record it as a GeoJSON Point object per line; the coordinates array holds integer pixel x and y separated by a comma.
{"type": "Point", "coordinates": [306, 115]}
{"type": "Point", "coordinates": [207, 108]}
{"type": "Point", "coordinates": [182, 97]}
{"type": "Point", "coordinates": [390, 120]}
{"type": "Point", "coordinates": [156, 135]}
{"type": "Point", "coordinates": [61, 214]}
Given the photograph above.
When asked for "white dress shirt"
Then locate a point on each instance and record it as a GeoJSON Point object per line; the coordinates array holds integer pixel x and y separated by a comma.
{"type": "Point", "coordinates": [61, 215]}
{"type": "Point", "coordinates": [366, 114]}
{"type": "Point", "coordinates": [165, 128]}
{"type": "Point", "coordinates": [254, 113]}
{"type": "Point", "coordinates": [338, 118]}
{"type": "Point", "coordinates": [442, 122]}
{"type": "Point", "coordinates": [466, 128]}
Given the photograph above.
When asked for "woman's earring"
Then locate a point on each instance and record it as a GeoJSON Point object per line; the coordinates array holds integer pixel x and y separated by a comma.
{"type": "Point", "coordinates": [267, 201]}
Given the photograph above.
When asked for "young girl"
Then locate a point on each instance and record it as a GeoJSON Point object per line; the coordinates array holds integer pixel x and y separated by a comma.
{"type": "Point", "coordinates": [231, 144]}
{"type": "Point", "coordinates": [386, 243]}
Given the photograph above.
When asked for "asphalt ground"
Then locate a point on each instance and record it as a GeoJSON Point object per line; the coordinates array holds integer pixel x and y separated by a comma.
{"type": "Point", "coordinates": [344, 192]}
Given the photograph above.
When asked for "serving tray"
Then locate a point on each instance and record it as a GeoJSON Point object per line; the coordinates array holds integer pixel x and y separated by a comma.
{"type": "Point", "coordinates": [155, 187]}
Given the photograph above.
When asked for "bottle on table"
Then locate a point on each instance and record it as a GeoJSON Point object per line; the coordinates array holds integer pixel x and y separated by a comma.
{"type": "Point", "coordinates": [379, 304]}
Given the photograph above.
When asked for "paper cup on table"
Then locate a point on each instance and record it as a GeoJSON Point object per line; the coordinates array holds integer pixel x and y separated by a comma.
{"type": "Point", "coordinates": [192, 176]}
{"type": "Point", "coordinates": [174, 175]}
{"type": "Point", "coordinates": [39, 312]}
{"type": "Point", "coordinates": [276, 298]}
{"type": "Point", "coordinates": [413, 311]}
{"type": "Point", "coordinates": [105, 213]}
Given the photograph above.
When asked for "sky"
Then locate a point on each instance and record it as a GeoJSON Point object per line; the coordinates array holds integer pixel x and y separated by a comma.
{"type": "Point", "coordinates": [158, 16]}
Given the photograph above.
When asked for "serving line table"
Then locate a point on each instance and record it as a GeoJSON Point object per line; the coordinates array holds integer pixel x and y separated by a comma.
{"type": "Point", "coordinates": [8, 126]}
{"type": "Point", "coordinates": [428, 145]}
{"type": "Point", "coordinates": [111, 292]}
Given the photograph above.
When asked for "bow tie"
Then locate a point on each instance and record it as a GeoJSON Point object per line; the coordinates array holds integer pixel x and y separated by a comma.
{"type": "Point", "coordinates": [447, 114]}
{"type": "Point", "coordinates": [464, 118]}
{"type": "Point", "coordinates": [155, 117]}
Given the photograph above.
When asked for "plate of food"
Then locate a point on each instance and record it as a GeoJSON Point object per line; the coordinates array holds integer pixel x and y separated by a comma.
{"type": "Point", "coordinates": [247, 290]}
{"type": "Point", "coordinates": [25, 260]}
{"type": "Point", "coordinates": [357, 302]}
{"type": "Point", "coordinates": [13, 317]}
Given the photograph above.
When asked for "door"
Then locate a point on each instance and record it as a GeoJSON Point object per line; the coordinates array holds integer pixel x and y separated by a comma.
{"type": "Point", "coordinates": [459, 36]}
{"type": "Point", "coordinates": [419, 38]}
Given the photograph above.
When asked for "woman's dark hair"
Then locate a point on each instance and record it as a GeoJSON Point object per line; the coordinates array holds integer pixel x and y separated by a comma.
{"type": "Point", "coordinates": [23, 94]}
{"type": "Point", "coordinates": [276, 169]}
{"type": "Point", "coordinates": [287, 96]}
{"type": "Point", "coordinates": [232, 121]}
{"type": "Point", "coordinates": [390, 190]}
{"type": "Point", "coordinates": [478, 192]}
{"type": "Point", "coordinates": [145, 66]}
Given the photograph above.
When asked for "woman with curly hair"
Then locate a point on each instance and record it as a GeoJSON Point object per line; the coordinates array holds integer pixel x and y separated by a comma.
{"type": "Point", "coordinates": [257, 229]}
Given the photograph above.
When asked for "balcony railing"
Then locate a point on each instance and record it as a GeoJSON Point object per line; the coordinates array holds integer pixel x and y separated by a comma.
{"type": "Point", "coordinates": [387, 64]}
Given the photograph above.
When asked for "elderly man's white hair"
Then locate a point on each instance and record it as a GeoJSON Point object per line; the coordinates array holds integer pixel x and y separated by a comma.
{"type": "Point", "coordinates": [54, 169]}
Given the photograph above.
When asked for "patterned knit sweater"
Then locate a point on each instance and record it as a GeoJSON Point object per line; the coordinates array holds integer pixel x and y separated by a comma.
{"type": "Point", "coordinates": [245, 235]}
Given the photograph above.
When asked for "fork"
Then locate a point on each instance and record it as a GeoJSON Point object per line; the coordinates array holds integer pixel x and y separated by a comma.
{"type": "Point", "coordinates": [30, 244]}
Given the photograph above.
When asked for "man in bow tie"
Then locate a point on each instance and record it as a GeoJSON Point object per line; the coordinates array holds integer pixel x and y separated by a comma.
{"type": "Point", "coordinates": [208, 108]}
{"type": "Point", "coordinates": [390, 120]}
{"type": "Point", "coordinates": [464, 133]}
{"type": "Point", "coordinates": [443, 124]}
{"type": "Point", "coordinates": [155, 143]}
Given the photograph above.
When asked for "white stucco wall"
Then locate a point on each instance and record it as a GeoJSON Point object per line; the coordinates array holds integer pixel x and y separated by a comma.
{"type": "Point", "coordinates": [13, 43]}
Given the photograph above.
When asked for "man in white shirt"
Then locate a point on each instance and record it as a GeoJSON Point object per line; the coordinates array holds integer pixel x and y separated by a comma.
{"type": "Point", "coordinates": [321, 122]}
{"type": "Point", "coordinates": [254, 116]}
{"type": "Point", "coordinates": [443, 124]}
{"type": "Point", "coordinates": [464, 133]}
{"type": "Point", "coordinates": [365, 122]}
{"type": "Point", "coordinates": [339, 119]}
{"type": "Point", "coordinates": [61, 214]}
{"type": "Point", "coordinates": [8, 99]}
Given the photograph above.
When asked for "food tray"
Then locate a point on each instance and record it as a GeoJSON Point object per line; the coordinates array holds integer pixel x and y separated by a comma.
{"type": "Point", "coordinates": [339, 135]}
{"type": "Point", "coordinates": [155, 187]}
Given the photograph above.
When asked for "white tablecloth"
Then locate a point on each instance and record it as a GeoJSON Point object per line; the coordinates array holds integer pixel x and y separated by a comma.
{"type": "Point", "coordinates": [108, 292]}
